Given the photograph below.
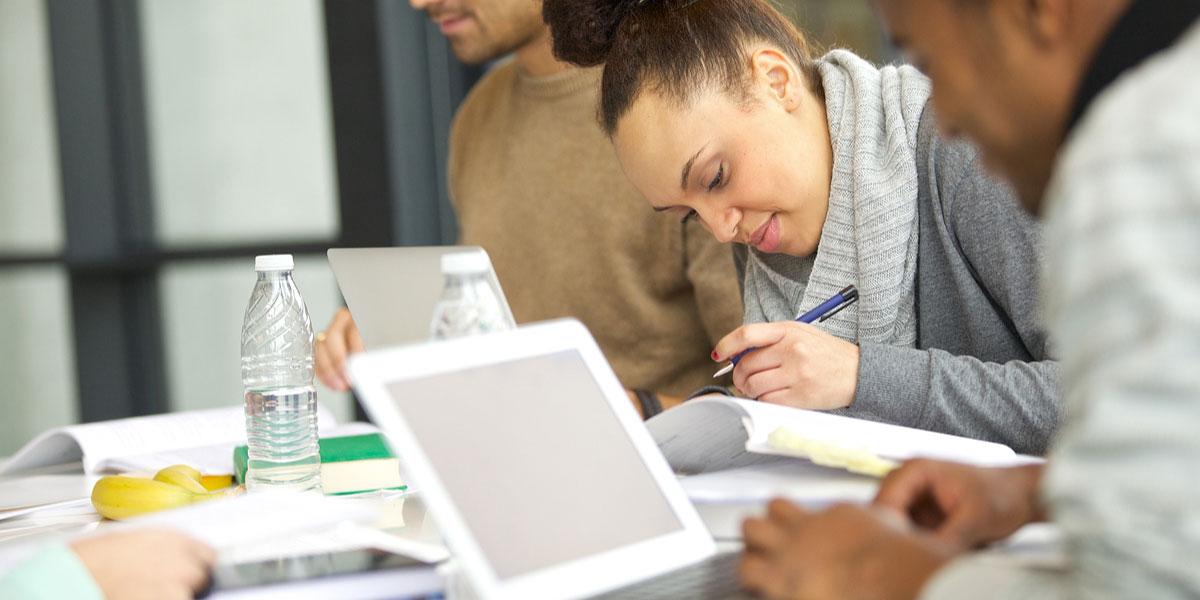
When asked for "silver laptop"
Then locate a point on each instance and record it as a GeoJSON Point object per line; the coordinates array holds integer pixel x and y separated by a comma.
{"type": "Point", "coordinates": [541, 476]}
{"type": "Point", "coordinates": [391, 292]}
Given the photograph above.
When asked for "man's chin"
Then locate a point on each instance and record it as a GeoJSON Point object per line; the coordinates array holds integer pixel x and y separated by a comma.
{"type": "Point", "coordinates": [471, 51]}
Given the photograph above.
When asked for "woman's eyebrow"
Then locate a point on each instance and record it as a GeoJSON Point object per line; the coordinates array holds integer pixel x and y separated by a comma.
{"type": "Point", "coordinates": [687, 168]}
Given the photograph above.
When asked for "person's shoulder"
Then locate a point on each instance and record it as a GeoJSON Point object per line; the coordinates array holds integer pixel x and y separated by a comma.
{"type": "Point", "coordinates": [960, 186]}
{"type": "Point", "coordinates": [486, 95]}
{"type": "Point", "coordinates": [1149, 111]}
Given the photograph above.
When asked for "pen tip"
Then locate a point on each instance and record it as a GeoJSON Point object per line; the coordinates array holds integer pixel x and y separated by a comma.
{"type": "Point", "coordinates": [724, 370]}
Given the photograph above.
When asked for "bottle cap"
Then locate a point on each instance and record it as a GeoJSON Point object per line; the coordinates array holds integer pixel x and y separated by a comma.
{"type": "Point", "coordinates": [464, 263]}
{"type": "Point", "coordinates": [273, 262]}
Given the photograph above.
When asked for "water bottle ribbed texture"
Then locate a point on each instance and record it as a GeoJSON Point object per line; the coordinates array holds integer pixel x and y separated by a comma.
{"type": "Point", "coordinates": [277, 373]}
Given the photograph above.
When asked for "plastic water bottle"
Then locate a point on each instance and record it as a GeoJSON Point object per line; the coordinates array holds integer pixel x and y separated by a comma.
{"type": "Point", "coordinates": [277, 372]}
{"type": "Point", "coordinates": [469, 304]}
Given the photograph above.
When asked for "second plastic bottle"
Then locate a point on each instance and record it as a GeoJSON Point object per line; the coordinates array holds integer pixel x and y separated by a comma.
{"type": "Point", "coordinates": [469, 304]}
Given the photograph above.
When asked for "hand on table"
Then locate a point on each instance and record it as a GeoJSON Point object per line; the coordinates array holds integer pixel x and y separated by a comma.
{"type": "Point", "coordinates": [843, 553]}
{"type": "Point", "coordinates": [963, 505]}
{"type": "Point", "coordinates": [795, 364]}
{"type": "Point", "coordinates": [333, 346]}
{"type": "Point", "coordinates": [149, 564]}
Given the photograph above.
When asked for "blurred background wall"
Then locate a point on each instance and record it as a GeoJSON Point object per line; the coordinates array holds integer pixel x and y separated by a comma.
{"type": "Point", "coordinates": [150, 148]}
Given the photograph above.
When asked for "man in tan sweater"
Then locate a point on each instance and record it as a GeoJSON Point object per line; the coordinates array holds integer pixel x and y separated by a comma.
{"type": "Point", "coordinates": [535, 182]}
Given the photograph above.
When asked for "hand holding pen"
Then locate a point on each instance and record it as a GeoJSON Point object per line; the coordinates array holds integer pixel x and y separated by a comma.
{"type": "Point", "coordinates": [794, 363]}
{"type": "Point", "coordinates": [819, 313]}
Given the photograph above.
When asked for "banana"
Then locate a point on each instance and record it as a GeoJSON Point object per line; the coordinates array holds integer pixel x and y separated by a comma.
{"type": "Point", "coordinates": [216, 482]}
{"type": "Point", "coordinates": [183, 476]}
{"type": "Point", "coordinates": [190, 472]}
{"type": "Point", "coordinates": [122, 497]}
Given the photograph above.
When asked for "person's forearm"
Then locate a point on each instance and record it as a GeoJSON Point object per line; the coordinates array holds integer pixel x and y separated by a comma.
{"type": "Point", "coordinates": [938, 391]}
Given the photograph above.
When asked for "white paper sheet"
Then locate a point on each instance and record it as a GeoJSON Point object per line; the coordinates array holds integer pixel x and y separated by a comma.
{"type": "Point", "coordinates": [31, 491]}
{"type": "Point", "coordinates": [199, 435]}
{"type": "Point", "coordinates": [718, 433]}
{"type": "Point", "coordinates": [251, 518]}
{"type": "Point", "coordinates": [804, 483]}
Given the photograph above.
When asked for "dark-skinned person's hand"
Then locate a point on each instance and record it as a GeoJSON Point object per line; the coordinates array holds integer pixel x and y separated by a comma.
{"type": "Point", "coordinates": [843, 553]}
{"type": "Point", "coordinates": [963, 505]}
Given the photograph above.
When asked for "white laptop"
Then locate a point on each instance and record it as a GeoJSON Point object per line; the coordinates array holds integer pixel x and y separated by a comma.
{"type": "Point", "coordinates": [391, 292]}
{"type": "Point", "coordinates": [537, 469]}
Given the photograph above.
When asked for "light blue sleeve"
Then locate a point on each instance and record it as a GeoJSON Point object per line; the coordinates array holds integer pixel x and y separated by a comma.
{"type": "Point", "coordinates": [54, 573]}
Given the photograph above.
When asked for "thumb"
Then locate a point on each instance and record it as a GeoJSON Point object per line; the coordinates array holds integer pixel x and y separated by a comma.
{"type": "Point", "coordinates": [961, 528]}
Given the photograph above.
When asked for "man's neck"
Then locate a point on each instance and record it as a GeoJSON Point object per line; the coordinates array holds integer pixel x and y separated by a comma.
{"type": "Point", "coordinates": [1090, 35]}
{"type": "Point", "coordinates": [536, 58]}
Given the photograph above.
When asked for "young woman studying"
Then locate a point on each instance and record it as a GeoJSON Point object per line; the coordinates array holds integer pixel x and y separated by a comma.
{"type": "Point", "coordinates": [827, 172]}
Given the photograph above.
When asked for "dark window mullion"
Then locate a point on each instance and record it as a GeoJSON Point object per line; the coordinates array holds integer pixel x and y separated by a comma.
{"type": "Point", "coordinates": [107, 207]}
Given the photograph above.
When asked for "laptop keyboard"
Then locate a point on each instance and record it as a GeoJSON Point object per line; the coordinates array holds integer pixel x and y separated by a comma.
{"type": "Point", "coordinates": [714, 578]}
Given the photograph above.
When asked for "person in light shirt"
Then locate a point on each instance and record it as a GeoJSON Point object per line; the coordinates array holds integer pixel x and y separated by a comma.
{"type": "Point", "coordinates": [128, 565]}
{"type": "Point", "coordinates": [1092, 109]}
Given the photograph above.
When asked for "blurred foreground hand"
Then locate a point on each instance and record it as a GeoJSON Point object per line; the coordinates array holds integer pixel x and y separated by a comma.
{"type": "Point", "coordinates": [146, 565]}
{"type": "Point", "coordinates": [844, 553]}
{"type": "Point", "coordinates": [963, 505]}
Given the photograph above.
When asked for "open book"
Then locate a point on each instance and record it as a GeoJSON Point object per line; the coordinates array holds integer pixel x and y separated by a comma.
{"type": "Point", "coordinates": [201, 438]}
{"type": "Point", "coordinates": [715, 433]}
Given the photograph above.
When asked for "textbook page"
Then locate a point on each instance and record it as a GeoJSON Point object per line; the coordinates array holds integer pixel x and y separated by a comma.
{"type": "Point", "coordinates": [884, 440]}
{"type": "Point", "coordinates": [715, 433]}
{"type": "Point", "coordinates": [704, 435]}
{"type": "Point", "coordinates": [190, 436]}
{"type": "Point", "coordinates": [809, 485]}
{"type": "Point", "coordinates": [252, 518]}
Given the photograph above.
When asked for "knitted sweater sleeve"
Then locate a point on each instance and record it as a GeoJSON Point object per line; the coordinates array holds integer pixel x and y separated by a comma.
{"type": "Point", "coordinates": [1017, 401]}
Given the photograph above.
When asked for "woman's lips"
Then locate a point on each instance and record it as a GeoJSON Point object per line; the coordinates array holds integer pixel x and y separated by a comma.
{"type": "Point", "coordinates": [766, 237]}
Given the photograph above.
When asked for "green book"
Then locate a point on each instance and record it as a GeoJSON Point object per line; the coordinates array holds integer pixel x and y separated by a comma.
{"type": "Point", "coordinates": [349, 464]}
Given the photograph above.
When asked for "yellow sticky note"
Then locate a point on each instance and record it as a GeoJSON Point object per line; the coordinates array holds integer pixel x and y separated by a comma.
{"type": "Point", "coordinates": [830, 454]}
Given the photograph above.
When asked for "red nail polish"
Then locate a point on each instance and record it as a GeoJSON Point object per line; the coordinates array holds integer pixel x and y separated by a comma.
{"type": "Point", "coordinates": [715, 356]}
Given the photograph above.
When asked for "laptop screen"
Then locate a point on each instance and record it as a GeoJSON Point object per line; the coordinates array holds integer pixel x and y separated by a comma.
{"type": "Point", "coordinates": [536, 462]}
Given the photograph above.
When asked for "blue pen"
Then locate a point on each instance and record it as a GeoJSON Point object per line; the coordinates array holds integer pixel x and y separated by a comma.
{"type": "Point", "coordinates": [819, 313]}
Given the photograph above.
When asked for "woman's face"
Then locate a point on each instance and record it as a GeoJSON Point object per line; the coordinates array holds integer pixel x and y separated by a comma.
{"type": "Point", "coordinates": [753, 172]}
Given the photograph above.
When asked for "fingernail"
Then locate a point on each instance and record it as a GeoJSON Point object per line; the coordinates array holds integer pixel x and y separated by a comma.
{"type": "Point", "coordinates": [715, 356]}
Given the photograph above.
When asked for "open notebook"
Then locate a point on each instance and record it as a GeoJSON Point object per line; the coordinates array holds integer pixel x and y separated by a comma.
{"type": "Point", "coordinates": [201, 438]}
{"type": "Point", "coordinates": [715, 433]}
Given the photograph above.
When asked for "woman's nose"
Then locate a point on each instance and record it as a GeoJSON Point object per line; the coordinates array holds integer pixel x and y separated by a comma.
{"type": "Point", "coordinates": [723, 225]}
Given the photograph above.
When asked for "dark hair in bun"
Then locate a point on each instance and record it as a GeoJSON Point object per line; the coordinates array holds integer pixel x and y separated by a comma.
{"type": "Point", "coordinates": [676, 47]}
{"type": "Point", "coordinates": [583, 30]}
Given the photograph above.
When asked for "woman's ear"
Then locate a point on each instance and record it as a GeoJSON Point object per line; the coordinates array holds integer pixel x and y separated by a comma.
{"type": "Point", "coordinates": [779, 79]}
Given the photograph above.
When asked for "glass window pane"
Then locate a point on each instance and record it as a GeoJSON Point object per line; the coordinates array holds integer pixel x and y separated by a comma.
{"type": "Point", "coordinates": [840, 24]}
{"type": "Point", "coordinates": [30, 212]}
{"type": "Point", "coordinates": [239, 121]}
{"type": "Point", "coordinates": [39, 373]}
{"type": "Point", "coordinates": [203, 306]}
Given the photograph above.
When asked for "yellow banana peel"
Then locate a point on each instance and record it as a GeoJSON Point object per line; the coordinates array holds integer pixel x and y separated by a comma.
{"type": "Point", "coordinates": [190, 472]}
{"type": "Point", "coordinates": [182, 476]}
{"type": "Point", "coordinates": [121, 497]}
{"type": "Point", "coordinates": [213, 483]}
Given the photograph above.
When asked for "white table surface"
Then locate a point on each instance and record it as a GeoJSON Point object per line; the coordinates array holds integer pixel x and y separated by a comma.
{"type": "Point", "coordinates": [1038, 543]}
